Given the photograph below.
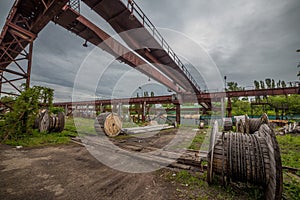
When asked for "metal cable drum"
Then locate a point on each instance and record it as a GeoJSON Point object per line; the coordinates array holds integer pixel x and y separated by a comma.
{"type": "Point", "coordinates": [250, 126]}
{"type": "Point", "coordinates": [108, 123]}
{"type": "Point", "coordinates": [249, 158]}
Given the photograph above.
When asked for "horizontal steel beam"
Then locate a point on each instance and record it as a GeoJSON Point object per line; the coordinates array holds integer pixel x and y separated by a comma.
{"type": "Point", "coordinates": [113, 47]}
{"type": "Point", "coordinates": [201, 98]}
{"type": "Point", "coordinates": [13, 72]}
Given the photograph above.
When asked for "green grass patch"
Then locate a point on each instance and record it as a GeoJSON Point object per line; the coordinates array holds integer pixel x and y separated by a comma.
{"type": "Point", "coordinates": [41, 139]}
{"type": "Point", "coordinates": [290, 150]}
{"type": "Point", "coordinates": [85, 126]}
{"type": "Point", "coordinates": [198, 140]}
{"type": "Point", "coordinates": [187, 179]}
{"type": "Point", "coordinates": [290, 156]}
{"type": "Point", "coordinates": [291, 186]}
{"type": "Point", "coordinates": [195, 186]}
{"type": "Point", "coordinates": [129, 125]}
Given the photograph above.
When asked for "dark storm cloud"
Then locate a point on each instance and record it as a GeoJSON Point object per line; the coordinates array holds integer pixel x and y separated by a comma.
{"type": "Point", "coordinates": [247, 40]}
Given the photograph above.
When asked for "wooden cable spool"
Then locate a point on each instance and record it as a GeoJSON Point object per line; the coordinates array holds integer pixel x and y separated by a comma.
{"type": "Point", "coordinates": [44, 121]}
{"type": "Point", "coordinates": [50, 123]}
{"type": "Point", "coordinates": [249, 158]}
{"type": "Point", "coordinates": [227, 124]}
{"type": "Point", "coordinates": [108, 123]}
{"type": "Point", "coordinates": [57, 123]}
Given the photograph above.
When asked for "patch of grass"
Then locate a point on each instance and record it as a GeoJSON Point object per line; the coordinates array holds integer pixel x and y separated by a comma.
{"type": "Point", "coordinates": [290, 150]}
{"type": "Point", "coordinates": [129, 125]}
{"type": "Point", "coordinates": [40, 139]}
{"type": "Point", "coordinates": [186, 178]}
{"type": "Point", "coordinates": [198, 140]}
{"type": "Point", "coordinates": [290, 156]}
{"type": "Point", "coordinates": [195, 186]}
{"type": "Point", "coordinates": [291, 186]}
{"type": "Point", "coordinates": [70, 126]}
{"type": "Point", "coordinates": [85, 126]}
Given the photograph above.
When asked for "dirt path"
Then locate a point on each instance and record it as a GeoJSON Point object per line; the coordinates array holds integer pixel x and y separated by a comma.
{"type": "Point", "coordinates": [70, 172]}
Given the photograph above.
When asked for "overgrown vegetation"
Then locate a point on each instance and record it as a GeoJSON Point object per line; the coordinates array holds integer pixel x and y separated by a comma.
{"type": "Point", "coordinates": [272, 105]}
{"type": "Point", "coordinates": [19, 121]}
{"type": "Point", "coordinates": [290, 156]}
{"type": "Point", "coordinates": [41, 139]}
{"type": "Point", "coordinates": [195, 186]}
{"type": "Point", "coordinates": [198, 140]}
{"type": "Point", "coordinates": [290, 150]}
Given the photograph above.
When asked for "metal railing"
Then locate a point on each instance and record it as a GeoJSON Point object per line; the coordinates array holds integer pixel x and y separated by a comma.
{"type": "Point", "coordinates": [75, 5]}
{"type": "Point", "coordinates": [140, 15]}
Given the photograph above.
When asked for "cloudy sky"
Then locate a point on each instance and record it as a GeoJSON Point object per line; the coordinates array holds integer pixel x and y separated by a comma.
{"type": "Point", "coordinates": [246, 40]}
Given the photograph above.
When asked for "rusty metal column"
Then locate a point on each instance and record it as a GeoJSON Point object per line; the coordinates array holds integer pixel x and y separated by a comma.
{"type": "Point", "coordinates": [144, 111]}
{"type": "Point", "coordinates": [1, 74]}
{"type": "Point", "coordinates": [29, 65]}
{"type": "Point", "coordinates": [229, 108]}
{"type": "Point", "coordinates": [177, 114]}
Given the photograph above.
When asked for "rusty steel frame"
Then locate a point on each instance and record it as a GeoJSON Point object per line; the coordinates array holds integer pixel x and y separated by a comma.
{"type": "Point", "coordinates": [112, 46]}
{"type": "Point", "coordinates": [206, 98]}
{"type": "Point", "coordinates": [22, 71]}
{"type": "Point", "coordinates": [171, 99]}
{"type": "Point", "coordinates": [24, 22]}
{"type": "Point", "coordinates": [127, 16]}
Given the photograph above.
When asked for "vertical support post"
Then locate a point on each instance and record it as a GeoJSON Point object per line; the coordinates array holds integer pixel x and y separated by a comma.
{"type": "Point", "coordinates": [178, 114]}
{"type": "Point", "coordinates": [114, 108]}
{"type": "Point", "coordinates": [222, 109]}
{"type": "Point", "coordinates": [139, 113]}
{"type": "Point", "coordinates": [229, 108]}
{"type": "Point", "coordinates": [66, 109]}
{"type": "Point", "coordinates": [29, 65]}
{"type": "Point", "coordinates": [1, 74]}
{"type": "Point", "coordinates": [144, 111]}
{"type": "Point", "coordinates": [120, 110]}
{"type": "Point", "coordinates": [101, 108]}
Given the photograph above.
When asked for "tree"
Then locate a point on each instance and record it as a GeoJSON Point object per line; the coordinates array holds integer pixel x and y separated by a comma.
{"type": "Point", "coordinates": [273, 83]}
{"type": "Point", "coordinates": [268, 82]}
{"type": "Point", "coordinates": [256, 84]}
{"type": "Point", "coordinates": [241, 107]}
{"type": "Point", "coordinates": [262, 85]}
{"type": "Point", "coordinates": [283, 84]}
{"type": "Point", "coordinates": [233, 86]}
{"type": "Point", "coordinates": [298, 50]}
{"type": "Point", "coordinates": [278, 84]}
{"type": "Point", "coordinates": [20, 120]}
